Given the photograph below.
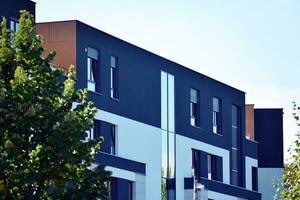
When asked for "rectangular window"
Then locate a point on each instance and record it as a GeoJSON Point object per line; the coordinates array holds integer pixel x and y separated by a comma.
{"type": "Point", "coordinates": [130, 190]}
{"type": "Point", "coordinates": [96, 129]}
{"type": "Point", "coordinates": [235, 130]}
{"type": "Point", "coordinates": [211, 167]}
{"type": "Point", "coordinates": [14, 25]}
{"type": "Point", "coordinates": [89, 135]}
{"type": "Point", "coordinates": [194, 107]}
{"type": "Point", "coordinates": [113, 189]}
{"type": "Point", "coordinates": [113, 139]}
{"type": "Point", "coordinates": [217, 116]}
{"type": "Point", "coordinates": [93, 70]}
{"type": "Point", "coordinates": [114, 77]}
{"type": "Point", "coordinates": [93, 132]}
{"type": "Point", "coordinates": [196, 162]}
{"type": "Point", "coordinates": [254, 179]}
{"type": "Point", "coordinates": [234, 178]}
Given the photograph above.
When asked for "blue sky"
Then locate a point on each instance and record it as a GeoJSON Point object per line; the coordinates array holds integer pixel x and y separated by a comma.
{"type": "Point", "coordinates": [251, 45]}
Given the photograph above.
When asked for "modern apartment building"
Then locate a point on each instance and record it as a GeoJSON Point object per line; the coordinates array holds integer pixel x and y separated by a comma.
{"type": "Point", "coordinates": [265, 126]}
{"type": "Point", "coordinates": [167, 128]}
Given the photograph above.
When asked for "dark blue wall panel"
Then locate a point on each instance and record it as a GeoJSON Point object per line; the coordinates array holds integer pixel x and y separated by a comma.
{"type": "Point", "coordinates": [139, 72]}
{"type": "Point", "coordinates": [121, 163]}
{"type": "Point", "coordinates": [11, 8]}
{"type": "Point", "coordinates": [269, 135]}
{"type": "Point", "coordinates": [223, 188]}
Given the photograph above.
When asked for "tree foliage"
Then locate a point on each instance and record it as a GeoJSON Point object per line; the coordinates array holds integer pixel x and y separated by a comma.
{"type": "Point", "coordinates": [42, 153]}
{"type": "Point", "coordinates": [290, 184]}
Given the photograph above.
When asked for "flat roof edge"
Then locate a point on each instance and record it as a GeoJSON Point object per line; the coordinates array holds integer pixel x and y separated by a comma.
{"type": "Point", "coordinates": [62, 21]}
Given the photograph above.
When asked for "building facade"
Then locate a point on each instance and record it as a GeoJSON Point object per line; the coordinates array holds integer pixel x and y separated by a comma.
{"type": "Point", "coordinates": [10, 9]}
{"type": "Point", "coordinates": [167, 129]}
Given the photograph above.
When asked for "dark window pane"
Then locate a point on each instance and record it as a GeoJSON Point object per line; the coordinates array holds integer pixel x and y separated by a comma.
{"type": "Point", "coordinates": [196, 162]}
{"type": "Point", "coordinates": [234, 178]}
{"type": "Point", "coordinates": [254, 179]}
{"type": "Point", "coordinates": [113, 140]}
{"type": "Point", "coordinates": [234, 160]}
{"type": "Point", "coordinates": [113, 189]}
{"type": "Point", "coordinates": [219, 122]}
{"type": "Point", "coordinates": [234, 137]}
{"type": "Point", "coordinates": [130, 190]}
{"type": "Point", "coordinates": [97, 129]}
{"type": "Point", "coordinates": [234, 115]}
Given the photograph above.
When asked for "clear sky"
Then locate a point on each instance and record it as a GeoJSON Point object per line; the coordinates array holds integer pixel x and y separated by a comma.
{"type": "Point", "coordinates": [252, 45]}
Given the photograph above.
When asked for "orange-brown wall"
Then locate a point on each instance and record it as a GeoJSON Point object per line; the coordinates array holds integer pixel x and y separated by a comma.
{"type": "Point", "coordinates": [60, 37]}
{"type": "Point", "coordinates": [250, 121]}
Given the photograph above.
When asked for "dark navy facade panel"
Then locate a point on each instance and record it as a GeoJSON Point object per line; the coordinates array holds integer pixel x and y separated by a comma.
{"type": "Point", "coordinates": [251, 148]}
{"type": "Point", "coordinates": [121, 163]}
{"type": "Point", "coordinates": [220, 187]}
{"type": "Point", "coordinates": [208, 88]}
{"type": "Point", "coordinates": [11, 8]}
{"type": "Point", "coordinates": [139, 76]}
{"type": "Point", "coordinates": [140, 89]}
{"type": "Point", "coordinates": [269, 135]}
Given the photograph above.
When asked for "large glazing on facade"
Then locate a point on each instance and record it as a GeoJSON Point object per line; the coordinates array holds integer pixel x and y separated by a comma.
{"type": "Point", "coordinates": [168, 136]}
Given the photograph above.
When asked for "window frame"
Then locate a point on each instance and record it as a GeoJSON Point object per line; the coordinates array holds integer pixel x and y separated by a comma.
{"type": "Point", "coordinates": [15, 23]}
{"type": "Point", "coordinates": [114, 77]}
{"type": "Point", "coordinates": [217, 116]}
{"type": "Point", "coordinates": [235, 134]}
{"type": "Point", "coordinates": [93, 69]}
{"type": "Point", "coordinates": [195, 119]}
{"type": "Point", "coordinates": [113, 140]}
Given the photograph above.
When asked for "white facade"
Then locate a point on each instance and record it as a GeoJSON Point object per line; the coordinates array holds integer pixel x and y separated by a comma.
{"type": "Point", "coordinates": [250, 162]}
{"type": "Point", "coordinates": [266, 178]}
{"type": "Point", "coordinates": [138, 142]}
{"type": "Point", "coordinates": [184, 147]}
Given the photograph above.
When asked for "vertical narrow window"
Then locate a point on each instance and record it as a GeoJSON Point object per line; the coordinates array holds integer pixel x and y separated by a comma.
{"type": "Point", "coordinates": [113, 140]}
{"type": "Point", "coordinates": [96, 129]}
{"type": "Point", "coordinates": [90, 135]}
{"type": "Point", "coordinates": [93, 132]}
{"type": "Point", "coordinates": [114, 77]}
{"type": "Point", "coordinates": [194, 107]}
{"type": "Point", "coordinates": [211, 167]}
{"type": "Point", "coordinates": [168, 136]}
{"type": "Point", "coordinates": [113, 189]}
{"type": "Point", "coordinates": [254, 179]}
{"type": "Point", "coordinates": [235, 129]}
{"type": "Point", "coordinates": [130, 190]}
{"type": "Point", "coordinates": [14, 25]}
{"type": "Point", "coordinates": [196, 162]}
{"type": "Point", "coordinates": [217, 116]}
{"type": "Point", "coordinates": [92, 70]}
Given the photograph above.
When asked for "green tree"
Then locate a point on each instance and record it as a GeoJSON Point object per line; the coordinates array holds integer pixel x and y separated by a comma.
{"type": "Point", "coordinates": [42, 153]}
{"type": "Point", "coordinates": [290, 183]}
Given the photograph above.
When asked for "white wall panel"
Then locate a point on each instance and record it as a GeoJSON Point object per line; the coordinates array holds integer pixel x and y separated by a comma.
{"type": "Point", "coordinates": [139, 142]}
{"type": "Point", "coordinates": [265, 181]}
{"type": "Point", "coordinates": [220, 196]}
{"type": "Point", "coordinates": [184, 147]}
{"type": "Point", "coordinates": [249, 163]}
